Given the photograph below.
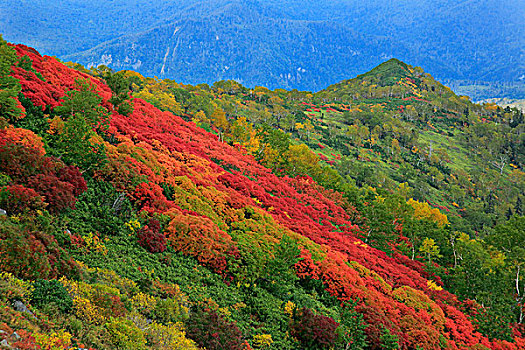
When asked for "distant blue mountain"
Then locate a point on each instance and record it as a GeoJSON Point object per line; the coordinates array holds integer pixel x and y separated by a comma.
{"type": "Point", "coordinates": [305, 44]}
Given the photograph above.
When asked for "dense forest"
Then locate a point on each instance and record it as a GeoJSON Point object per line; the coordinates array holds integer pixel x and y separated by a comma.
{"type": "Point", "coordinates": [301, 44]}
{"type": "Point", "coordinates": [383, 212]}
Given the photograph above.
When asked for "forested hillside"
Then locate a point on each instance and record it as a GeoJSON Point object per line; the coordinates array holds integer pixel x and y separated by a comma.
{"type": "Point", "coordinates": [142, 213]}
{"type": "Point", "coordinates": [476, 46]}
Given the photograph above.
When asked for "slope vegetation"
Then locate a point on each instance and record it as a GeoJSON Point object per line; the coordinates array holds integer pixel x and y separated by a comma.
{"type": "Point", "coordinates": [129, 227]}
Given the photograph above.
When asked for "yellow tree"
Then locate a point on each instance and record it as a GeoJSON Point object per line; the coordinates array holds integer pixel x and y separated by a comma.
{"type": "Point", "coordinates": [200, 117]}
{"type": "Point", "coordinates": [241, 131]}
{"type": "Point", "coordinates": [219, 120]}
{"type": "Point", "coordinates": [395, 149]}
{"type": "Point", "coordinates": [300, 160]}
{"type": "Point", "coordinates": [430, 249]}
{"type": "Point", "coordinates": [423, 211]}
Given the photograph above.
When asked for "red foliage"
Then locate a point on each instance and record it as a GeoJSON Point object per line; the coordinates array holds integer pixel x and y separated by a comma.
{"type": "Point", "coordinates": [167, 151]}
{"type": "Point", "coordinates": [58, 79]}
{"type": "Point", "coordinates": [20, 162]}
{"type": "Point", "coordinates": [201, 238]}
{"type": "Point", "coordinates": [58, 194]}
{"type": "Point", "coordinates": [71, 174]}
{"type": "Point", "coordinates": [27, 164]}
{"type": "Point", "coordinates": [151, 238]}
{"type": "Point", "coordinates": [314, 331]}
{"type": "Point", "coordinates": [376, 322]}
{"type": "Point", "coordinates": [210, 330]}
{"type": "Point", "coordinates": [30, 253]}
{"type": "Point", "coordinates": [16, 199]}
{"type": "Point", "coordinates": [149, 197]}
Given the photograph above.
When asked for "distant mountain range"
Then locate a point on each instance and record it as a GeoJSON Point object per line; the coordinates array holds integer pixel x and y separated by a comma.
{"type": "Point", "coordinates": [305, 45]}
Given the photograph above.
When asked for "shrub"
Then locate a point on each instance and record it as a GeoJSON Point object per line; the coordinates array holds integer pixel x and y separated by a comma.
{"type": "Point", "coordinates": [376, 324]}
{"type": "Point", "coordinates": [124, 334]}
{"type": "Point", "coordinates": [16, 199]}
{"type": "Point", "coordinates": [171, 336]}
{"type": "Point", "coordinates": [51, 291]}
{"type": "Point", "coordinates": [169, 310]}
{"type": "Point", "coordinates": [4, 180]}
{"type": "Point", "coordinates": [20, 162]}
{"type": "Point", "coordinates": [208, 329]}
{"type": "Point", "coordinates": [150, 237]}
{"type": "Point", "coordinates": [314, 331]}
{"type": "Point", "coordinates": [29, 253]}
{"type": "Point", "coordinates": [94, 303]}
{"type": "Point", "coordinates": [58, 194]}
{"type": "Point", "coordinates": [72, 175]}
{"type": "Point", "coordinates": [12, 288]}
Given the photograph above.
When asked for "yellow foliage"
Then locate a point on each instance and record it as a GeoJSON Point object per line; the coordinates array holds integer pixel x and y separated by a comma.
{"type": "Point", "coordinates": [110, 278]}
{"type": "Point", "coordinates": [171, 336]}
{"type": "Point", "coordinates": [420, 301]}
{"type": "Point", "coordinates": [200, 117]}
{"type": "Point", "coordinates": [424, 211]}
{"type": "Point", "coordinates": [83, 295]}
{"type": "Point", "coordinates": [433, 286]}
{"type": "Point", "coordinates": [125, 335]}
{"type": "Point", "coordinates": [86, 311]}
{"type": "Point", "coordinates": [53, 341]}
{"type": "Point", "coordinates": [361, 244]}
{"type": "Point", "coordinates": [289, 307]}
{"type": "Point", "coordinates": [143, 303]}
{"type": "Point", "coordinates": [262, 341]}
{"type": "Point", "coordinates": [429, 248]}
{"type": "Point", "coordinates": [224, 311]}
{"type": "Point", "coordinates": [239, 305]}
{"type": "Point", "coordinates": [56, 126]}
{"type": "Point", "coordinates": [403, 190]}
{"type": "Point", "coordinates": [497, 260]}
{"type": "Point", "coordinates": [364, 272]}
{"type": "Point", "coordinates": [270, 156]}
{"type": "Point", "coordinates": [12, 287]}
{"type": "Point", "coordinates": [132, 225]}
{"type": "Point", "coordinates": [94, 244]}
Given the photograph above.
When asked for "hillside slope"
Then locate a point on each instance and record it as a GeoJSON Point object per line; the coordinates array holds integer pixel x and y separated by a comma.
{"type": "Point", "coordinates": [163, 236]}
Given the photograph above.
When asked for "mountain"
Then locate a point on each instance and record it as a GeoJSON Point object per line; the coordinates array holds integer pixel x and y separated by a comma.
{"type": "Point", "coordinates": [127, 226]}
{"type": "Point", "coordinates": [239, 42]}
{"type": "Point", "coordinates": [305, 45]}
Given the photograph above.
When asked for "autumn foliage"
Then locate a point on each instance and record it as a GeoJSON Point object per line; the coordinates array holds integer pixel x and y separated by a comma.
{"type": "Point", "coordinates": [228, 212]}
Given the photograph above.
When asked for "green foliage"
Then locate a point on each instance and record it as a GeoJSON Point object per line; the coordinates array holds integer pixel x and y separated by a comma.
{"type": "Point", "coordinates": [280, 269]}
{"type": "Point", "coordinates": [82, 114]}
{"type": "Point", "coordinates": [352, 327]}
{"type": "Point", "coordinates": [35, 119]}
{"type": "Point", "coordinates": [46, 292]}
{"type": "Point", "coordinates": [258, 297]}
{"type": "Point", "coordinates": [388, 340]}
{"type": "Point", "coordinates": [4, 180]}
{"type": "Point", "coordinates": [494, 321]}
{"type": "Point", "coordinates": [119, 84]}
{"type": "Point", "coordinates": [125, 335]}
{"type": "Point", "coordinates": [9, 86]}
{"type": "Point", "coordinates": [169, 311]}
{"type": "Point", "coordinates": [28, 251]}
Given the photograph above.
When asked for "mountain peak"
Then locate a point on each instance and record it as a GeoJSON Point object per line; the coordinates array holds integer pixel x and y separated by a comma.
{"type": "Point", "coordinates": [389, 72]}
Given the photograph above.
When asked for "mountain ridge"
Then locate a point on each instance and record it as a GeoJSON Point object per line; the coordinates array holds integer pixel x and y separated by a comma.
{"type": "Point", "coordinates": [405, 30]}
